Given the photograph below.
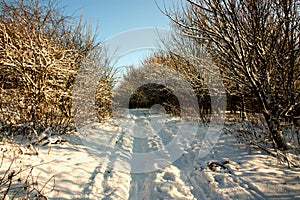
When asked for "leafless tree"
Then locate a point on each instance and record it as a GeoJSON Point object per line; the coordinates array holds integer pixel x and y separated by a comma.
{"type": "Point", "coordinates": [255, 43]}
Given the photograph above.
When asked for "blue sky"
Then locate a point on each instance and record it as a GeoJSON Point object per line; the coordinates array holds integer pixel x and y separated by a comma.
{"type": "Point", "coordinates": [116, 16]}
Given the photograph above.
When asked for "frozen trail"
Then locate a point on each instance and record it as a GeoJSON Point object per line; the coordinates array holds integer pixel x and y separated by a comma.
{"type": "Point", "coordinates": [142, 133]}
{"type": "Point", "coordinates": [111, 179]}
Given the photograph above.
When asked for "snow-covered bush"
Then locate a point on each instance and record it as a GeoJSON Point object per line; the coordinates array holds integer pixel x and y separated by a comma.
{"type": "Point", "coordinates": [40, 54]}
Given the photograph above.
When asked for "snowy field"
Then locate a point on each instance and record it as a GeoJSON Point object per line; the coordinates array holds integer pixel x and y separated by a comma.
{"type": "Point", "coordinates": [99, 164]}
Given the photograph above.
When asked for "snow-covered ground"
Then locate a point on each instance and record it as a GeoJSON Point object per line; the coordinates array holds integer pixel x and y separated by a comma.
{"type": "Point", "coordinates": [81, 169]}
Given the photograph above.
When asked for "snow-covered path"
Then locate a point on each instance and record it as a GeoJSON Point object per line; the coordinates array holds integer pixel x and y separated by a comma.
{"type": "Point", "coordinates": [84, 171]}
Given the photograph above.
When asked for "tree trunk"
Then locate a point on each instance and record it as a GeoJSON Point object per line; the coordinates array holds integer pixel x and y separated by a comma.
{"type": "Point", "coordinates": [275, 130]}
{"type": "Point", "coordinates": [243, 110]}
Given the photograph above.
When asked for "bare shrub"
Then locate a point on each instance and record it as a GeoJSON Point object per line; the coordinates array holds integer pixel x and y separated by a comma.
{"type": "Point", "coordinates": [18, 182]}
{"type": "Point", "coordinates": [41, 51]}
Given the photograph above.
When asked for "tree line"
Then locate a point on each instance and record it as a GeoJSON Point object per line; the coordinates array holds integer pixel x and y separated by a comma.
{"type": "Point", "coordinates": [254, 44]}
